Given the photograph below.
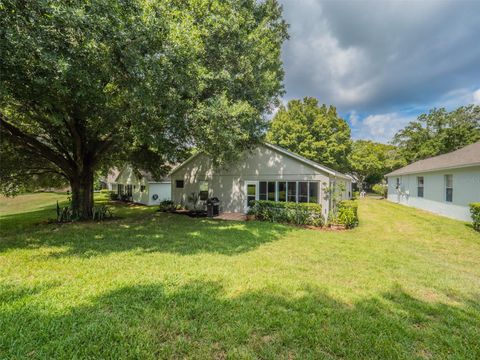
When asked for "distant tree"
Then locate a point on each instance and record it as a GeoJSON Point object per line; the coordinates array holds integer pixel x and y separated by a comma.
{"type": "Point", "coordinates": [313, 131]}
{"type": "Point", "coordinates": [370, 161]}
{"type": "Point", "coordinates": [439, 132]}
{"type": "Point", "coordinates": [87, 84]}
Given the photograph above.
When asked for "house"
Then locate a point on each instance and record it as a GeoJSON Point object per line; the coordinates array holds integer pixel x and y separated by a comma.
{"type": "Point", "coordinates": [141, 187]}
{"type": "Point", "coordinates": [107, 182]}
{"type": "Point", "coordinates": [268, 172]}
{"type": "Point", "coordinates": [443, 184]}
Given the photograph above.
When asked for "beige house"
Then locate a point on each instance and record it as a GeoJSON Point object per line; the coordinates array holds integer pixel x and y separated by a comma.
{"type": "Point", "coordinates": [268, 172]}
{"type": "Point", "coordinates": [140, 187]}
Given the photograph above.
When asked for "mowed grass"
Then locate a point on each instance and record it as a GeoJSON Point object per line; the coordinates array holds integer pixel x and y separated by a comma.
{"type": "Point", "coordinates": [405, 284]}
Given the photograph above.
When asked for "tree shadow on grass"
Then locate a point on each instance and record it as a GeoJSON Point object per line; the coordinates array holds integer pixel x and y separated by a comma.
{"type": "Point", "coordinates": [152, 233]}
{"type": "Point", "coordinates": [199, 320]}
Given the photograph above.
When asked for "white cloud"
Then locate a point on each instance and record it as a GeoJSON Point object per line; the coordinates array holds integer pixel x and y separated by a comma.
{"type": "Point", "coordinates": [476, 97]}
{"type": "Point", "coordinates": [380, 127]}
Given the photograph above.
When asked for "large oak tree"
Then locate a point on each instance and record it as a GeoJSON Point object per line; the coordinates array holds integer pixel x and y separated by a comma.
{"type": "Point", "coordinates": [87, 84]}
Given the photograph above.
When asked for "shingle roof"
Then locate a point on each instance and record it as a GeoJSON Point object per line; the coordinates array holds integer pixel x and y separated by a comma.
{"type": "Point", "coordinates": [466, 156]}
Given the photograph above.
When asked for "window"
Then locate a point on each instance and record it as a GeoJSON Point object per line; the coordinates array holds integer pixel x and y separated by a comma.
{"type": "Point", "coordinates": [271, 190]}
{"type": "Point", "coordinates": [179, 184]}
{"type": "Point", "coordinates": [398, 184]}
{"type": "Point", "coordinates": [120, 189]}
{"type": "Point", "coordinates": [313, 192]}
{"type": "Point", "coordinates": [251, 194]}
{"type": "Point", "coordinates": [129, 190]}
{"type": "Point", "coordinates": [203, 193]}
{"type": "Point", "coordinates": [449, 188]}
{"type": "Point", "coordinates": [142, 188]}
{"type": "Point", "coordinates": [263, 190]}
{"type": "Point", "coordinates": [302, 192]}
{"type": "Point", "coordinates": [420, 183]}
{"type": "Point", "coordinates": [282, 191]}
{"type": "Point", "coordinates": [292, 191]}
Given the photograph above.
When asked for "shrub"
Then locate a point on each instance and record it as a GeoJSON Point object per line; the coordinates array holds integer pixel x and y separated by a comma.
{"type": "Point", "coordinates": [347, 214]}
{"type": "Point", "coordinates": [113, 195]}
{"type": "Point", "coordinates": [356, 195]}
{"type": "Point", "coordinates": [475, 211]}
{"type": "Point", "coordinates": [101, 212]}
{"type": "Point", "coordinates": [167, 205]}
{"type": "Point", "coordinates": [380, 189]}
{"type": "Point", "coordinates": [104, 191]}
{"type": "Point", "coordinates": [288, 212]}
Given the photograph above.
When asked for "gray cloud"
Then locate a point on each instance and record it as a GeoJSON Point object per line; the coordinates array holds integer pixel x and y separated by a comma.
{"type": "Point", "coordinates": [379, 57]}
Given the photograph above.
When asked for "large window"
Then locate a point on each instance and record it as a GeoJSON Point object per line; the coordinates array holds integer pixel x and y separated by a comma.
{"type": "Point", "coordinates": [271, 190]}
{"type": "Point", "coordinates": [313, 192]}
{"type": "Point", "coordinates": [292, 191]}
{"type": "Point", "coordinates": [282, 191]}
{"type": "Point", "coordinates": [129, 189]}
{"type": "Point", "coordinates": [203, 193]}
{"type": "Point", "coordinates": [420, 183]}
{"type": "Point", "coordinates": [303, 192]}
{"type": "Point", "coordinates": [262, 194]}
{"type": "Point", "coordinates": [449, 188]}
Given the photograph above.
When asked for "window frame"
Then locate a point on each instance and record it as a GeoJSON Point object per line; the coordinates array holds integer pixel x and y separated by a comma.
{"type": "Point", "coordinates": [178, 182]}
{"type": "Point", "coordinates": [203, 194]}
{"type": "Point", "coordinates": [420, 185]}
{"type": "Point", "coordinates": [448, 196]}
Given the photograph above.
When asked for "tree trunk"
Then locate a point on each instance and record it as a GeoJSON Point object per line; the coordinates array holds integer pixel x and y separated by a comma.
{"type": "Point", "coordinates": [82, 195]}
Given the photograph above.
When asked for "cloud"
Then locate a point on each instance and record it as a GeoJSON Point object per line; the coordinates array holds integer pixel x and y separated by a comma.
{"type": "Point", "coordinates": [476, 97]}
{"type": "Point", "coordinates": [380, 127]}
{"type": "Point", "coordinates": [381, 56]}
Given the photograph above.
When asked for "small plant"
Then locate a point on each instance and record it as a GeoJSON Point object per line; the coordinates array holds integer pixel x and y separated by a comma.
{"type": "Point", "coordinates": [101, 213]}
{"type": "Point", "coordinates": [167, 206]}
{"type": "Point", "coordinates": [113, 196]}
{"type": "Point", "coordinates": [347, 214]}
{"type": "Point", "coordinates": [475, 211]}
{"type": "Point", "coordinates": [194, 199]}
{"type": "Point", "coordinates": [65, 214]}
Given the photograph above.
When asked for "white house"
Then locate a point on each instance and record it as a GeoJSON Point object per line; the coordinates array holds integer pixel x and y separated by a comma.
{"type": "Point", "coordinates": [141, 187]}
{"type": "Point", "coordinates": [268, 172]}
{"type": "Point", "coordinates": [443, 184]}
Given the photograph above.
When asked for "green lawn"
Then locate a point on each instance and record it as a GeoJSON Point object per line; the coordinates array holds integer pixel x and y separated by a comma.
{"type": "Point", "coordinates": [405, 284]}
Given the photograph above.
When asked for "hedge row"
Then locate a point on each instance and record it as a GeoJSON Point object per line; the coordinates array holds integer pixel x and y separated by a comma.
{"type": "Point", "coordinates": [288, 212]}
{"type": "Point", "coordinates": [475, 211]}
{"type": "Point", "coordinates": [347, 214]}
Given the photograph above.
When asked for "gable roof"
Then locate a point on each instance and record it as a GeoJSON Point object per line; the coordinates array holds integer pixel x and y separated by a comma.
{"type": "Point", "coordinates": [284, 152]}
{"type": "Point", "coordinates": [143, 174]}
{"type": "Point", "coordinates": [464, 157]}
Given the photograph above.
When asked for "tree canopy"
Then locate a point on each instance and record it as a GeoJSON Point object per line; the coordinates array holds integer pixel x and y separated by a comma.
{"type": "Point", "coordinates": [439, 132]}
{"type": "Point", "coordinates": [313, 131]}
{"type": "Point", "coordinates": [88, 84]}
{"type": "Point", "coordinates": [370, 161]}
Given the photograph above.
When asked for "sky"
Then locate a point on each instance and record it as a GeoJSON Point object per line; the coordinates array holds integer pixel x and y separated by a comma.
{"type": "Point", "coordinates": [382, 63]}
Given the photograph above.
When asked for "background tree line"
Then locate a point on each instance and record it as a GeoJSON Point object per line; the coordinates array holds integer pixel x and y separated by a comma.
{"type": "Point", "coordinates": [318, 133]}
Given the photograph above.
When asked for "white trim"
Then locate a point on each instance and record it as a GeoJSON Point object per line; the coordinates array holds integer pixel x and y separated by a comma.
{"type": "Point", "coordinates": [257, 190]}
{"type": "Point", "coordinates": [393, 173]}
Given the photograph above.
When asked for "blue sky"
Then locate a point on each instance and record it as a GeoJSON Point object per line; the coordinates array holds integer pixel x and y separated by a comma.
{"type": "Point", "coordinates": [382, 63]}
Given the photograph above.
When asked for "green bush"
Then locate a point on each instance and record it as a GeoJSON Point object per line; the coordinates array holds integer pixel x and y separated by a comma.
{"type": "Point", "coordinates": [347, 214]}
{"type": "Point", "coordinates": [380, 189]}
{"type": "Point", "coordinates": [104, 191]}
{"type": "Point", "coordinates": [167, 205]}
{"type": "Point", "coordinates": [356, 195]}
{"type": "Point", "coordinates": [288, 212]}
{"type": "Point", "coordinates": [475, 211]}
{"type": "Point", "coordinates": [113, 195]}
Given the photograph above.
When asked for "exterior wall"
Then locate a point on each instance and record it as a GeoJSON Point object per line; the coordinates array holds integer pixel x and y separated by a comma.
{"type": "Point", "coordinates": [229, 184]}
{"type": "Point", "coordinates": [163, 190]}
{"type": "Point", "coordinates": [466, 189]}
{"type": "Point", "coordinates": [128, 177]}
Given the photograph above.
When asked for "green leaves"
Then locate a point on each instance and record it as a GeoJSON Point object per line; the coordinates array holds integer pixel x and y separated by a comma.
{"type": "Point", "coordinates": [439, 132]}
{"type": "Point", "coordinates": [313, 131]}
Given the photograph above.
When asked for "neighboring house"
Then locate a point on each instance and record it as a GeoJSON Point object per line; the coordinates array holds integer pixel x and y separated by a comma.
{"type": "Point", "coordinates": [443, 184]}
{"type": "Point", "coordinates": [108, 181]}
{"type": "Point", "coordinates": [141, 187]}
{"type": "Point", "coordinates": [268, 172]}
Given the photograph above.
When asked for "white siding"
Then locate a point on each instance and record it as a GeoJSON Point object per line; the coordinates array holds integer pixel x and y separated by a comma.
{"type": "Point", "coordinates": [228, 184]}
{"type": "Point", "coordinates": [466, 189]}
